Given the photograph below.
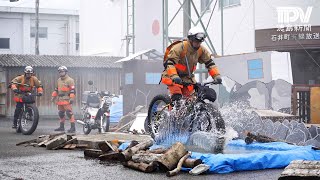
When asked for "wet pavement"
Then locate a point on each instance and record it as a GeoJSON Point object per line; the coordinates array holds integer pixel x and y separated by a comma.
{"type": "Point", "coordinates": [19, 162]}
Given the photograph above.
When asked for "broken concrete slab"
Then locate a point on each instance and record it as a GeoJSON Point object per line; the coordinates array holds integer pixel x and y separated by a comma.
{"type": "Point", "coordinates": [301, 169]}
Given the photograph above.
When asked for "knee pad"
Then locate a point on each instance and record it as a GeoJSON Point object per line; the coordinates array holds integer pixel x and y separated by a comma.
{"type": "Point", "coordinates": [61, 114]}
{"type": "Point", "coordinates": [176, 97]}
{"type": "Point", "coordinates": [69, 113]}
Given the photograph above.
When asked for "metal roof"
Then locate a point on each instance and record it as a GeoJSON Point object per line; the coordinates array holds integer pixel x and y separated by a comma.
{"type": "Point", "coordinates": [151, 54]}
{"type": "Point", "coordinates": [18, 60]}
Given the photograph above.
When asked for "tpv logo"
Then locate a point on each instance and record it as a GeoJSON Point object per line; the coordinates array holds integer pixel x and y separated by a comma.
{"type": "Point", "coordinates": [287, 15]}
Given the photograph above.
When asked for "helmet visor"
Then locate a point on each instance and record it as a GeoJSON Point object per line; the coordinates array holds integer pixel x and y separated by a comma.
{"type": "Point", "coordinates": [200, 37]}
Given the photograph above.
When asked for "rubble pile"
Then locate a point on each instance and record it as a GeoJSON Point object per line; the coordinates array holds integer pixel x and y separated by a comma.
{"type": "Point", "coordinates": [137, 155]}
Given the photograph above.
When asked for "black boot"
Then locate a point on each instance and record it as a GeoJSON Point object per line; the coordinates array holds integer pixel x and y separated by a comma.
{"type": "Point", "coordinates": [15, 124]}
{"type": "Point", "coordinates": [61, 128]}
{"type": "Point", "coordinates": [72, 129]}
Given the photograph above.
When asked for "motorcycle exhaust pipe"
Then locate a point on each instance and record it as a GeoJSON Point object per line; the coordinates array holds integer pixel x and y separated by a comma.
{"type": "Point", "coordinates": [80, 122]}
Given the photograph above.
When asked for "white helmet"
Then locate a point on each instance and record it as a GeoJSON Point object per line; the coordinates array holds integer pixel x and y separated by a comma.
{"type": "Point", "coordinates": [196, 33]}
{"type": "Point", "coordinates": [63, 68]}
{"type": "Point", "coordinates": [28, 69]}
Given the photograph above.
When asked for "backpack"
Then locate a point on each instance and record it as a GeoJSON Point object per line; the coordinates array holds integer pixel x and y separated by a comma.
{"type": "Point", "coordinates": [183, 52]}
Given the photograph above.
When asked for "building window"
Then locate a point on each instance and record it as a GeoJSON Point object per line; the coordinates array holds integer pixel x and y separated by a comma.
{"type": "Point", "coordinates": [43, 32]}
{"type": "Point", "coordinates": [228, 3]}
{"type": "Point", "coordinates": [255, 69]}
{"type": "Point", "coordinates": [77, 41]}
{"type": "Point", "coordinates": [153, 78]}
{"type": "Point", "coordinates": [128, 78]}
{"type": "Point", "coordinates": [204, 5]}
{"type": "Point", "coordinates": [4, 43]}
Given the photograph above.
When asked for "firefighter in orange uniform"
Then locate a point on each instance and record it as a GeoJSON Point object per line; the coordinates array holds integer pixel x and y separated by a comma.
{"type": "Point", "coordinates": [180, 62]}
{"type": "Point", "coordinates": [64, 95]}
{"type": "Point", "coordinates": [22, 84]}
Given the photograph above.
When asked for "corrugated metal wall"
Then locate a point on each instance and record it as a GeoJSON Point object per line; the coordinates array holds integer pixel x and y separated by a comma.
{"type": "Point", "coordinates": [104, 79]}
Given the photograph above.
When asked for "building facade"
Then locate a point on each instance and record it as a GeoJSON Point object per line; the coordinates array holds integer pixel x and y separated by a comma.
{"type": "Point", "coordinates": [248, 26]}
{"type": "Point", "coordinates": [58, 31]}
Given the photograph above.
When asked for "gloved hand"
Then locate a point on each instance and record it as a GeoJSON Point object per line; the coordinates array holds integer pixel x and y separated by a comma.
{"type": "Point", "coordinates": [39, 93]}
{"type": "Point", "coordinates": [218, 79]}
{"type": "Point", "coordinates": [16, 91]}
{"type": "Point", "coordinates": [177, 80]}
{"type": "Point", "coordinates": [71, 101]}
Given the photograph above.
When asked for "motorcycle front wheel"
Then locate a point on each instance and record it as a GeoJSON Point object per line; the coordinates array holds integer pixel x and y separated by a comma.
{"type": "Point", "coordinates": [86, 127]}
{"type": "Point", "coordinates": [157, 113]}
{"type": "Point", "coordinates": [29, 119]}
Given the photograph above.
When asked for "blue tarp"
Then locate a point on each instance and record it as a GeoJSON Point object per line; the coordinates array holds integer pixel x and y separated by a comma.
{"type": "Point", "coordinates": [116, 110]}
{"type": "Point", "coordinates": [263, 156]}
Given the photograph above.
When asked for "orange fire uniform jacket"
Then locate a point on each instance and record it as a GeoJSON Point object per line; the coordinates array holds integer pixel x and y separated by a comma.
{"type": "Point", "coordinates": [26, 85]}
{"type": "Point", "coordinates": [65, 90]}
{"type": "Point", "coordinates": [181, 56]}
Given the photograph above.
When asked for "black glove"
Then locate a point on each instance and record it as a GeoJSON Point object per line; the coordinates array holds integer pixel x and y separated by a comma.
{"type": "Point", "coordinates": [218, 79]}
{"type": "Point", "coordinates": [16, 91]}
{"type": "Point", "coordinates": [177, 80]}
{"type": "Point", "coordinates": [40, 94]}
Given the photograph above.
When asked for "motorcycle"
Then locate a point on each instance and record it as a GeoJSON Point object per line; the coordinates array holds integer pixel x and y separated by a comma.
{"type": "Point", "coordinates": [29, 115]}
{"type": "Point", "coordinates": [96, 110]}
{"type": "Point", "coordinates": [196, 114]}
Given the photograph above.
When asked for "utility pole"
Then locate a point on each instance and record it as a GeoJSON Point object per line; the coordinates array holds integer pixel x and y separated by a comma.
{"type": "Point", "coordinates": [221, 8]}
{"type": "Point", "coordinates": [37, 29]}
{"type": "Point", "coordinates": [186, 19]}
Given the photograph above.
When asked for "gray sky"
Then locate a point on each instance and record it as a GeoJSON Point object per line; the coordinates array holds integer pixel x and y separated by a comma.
{"type": "Point", "coordinates": [51, 4]}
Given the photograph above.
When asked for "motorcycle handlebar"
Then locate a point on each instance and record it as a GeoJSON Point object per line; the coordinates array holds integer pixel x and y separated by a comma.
{"type": "Point", "coordinates": [202, 84]}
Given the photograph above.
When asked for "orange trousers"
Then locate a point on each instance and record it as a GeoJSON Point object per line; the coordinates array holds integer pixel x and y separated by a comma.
{"type": "Point", "coordinates": [179, 89]}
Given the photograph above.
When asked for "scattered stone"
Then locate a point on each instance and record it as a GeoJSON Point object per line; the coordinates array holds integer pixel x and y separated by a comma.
{"type": "Point", "coordinates": [268, 126]}
{"type": "Point", "coordinates": [303, 128]}
{"type": "Point", "coordinates": [312, 142]}
{"type": "Point", "coordinates": [201, 168]}
{"type": "Point", "coordinates": [296, 137]}
{"type": "Point", "coordinates": [281, 132]}
{"type": "Point", "coordinates": [313, 131]}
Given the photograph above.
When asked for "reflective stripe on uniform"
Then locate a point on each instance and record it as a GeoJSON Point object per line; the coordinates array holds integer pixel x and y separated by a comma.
{"type": "Point", "coordinates": [214, 71]}
{"type": "Point", "coordinates": [171, 71]}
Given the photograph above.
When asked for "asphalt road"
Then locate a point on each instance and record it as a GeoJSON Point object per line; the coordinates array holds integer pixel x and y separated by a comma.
{"type": "Point", "coordinates": [19, 162]}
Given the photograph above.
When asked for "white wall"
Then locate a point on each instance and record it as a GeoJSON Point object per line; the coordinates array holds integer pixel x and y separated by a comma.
{"type": "Point", "coordinates": [146, 18]}
{"type": "Point", "coordinates": [60, 40]}
{"type": "Point", "coordinates": [281, 66]}
{"type": "Point", "coordinates": [276, 65]}
{"type": "Point", "coordinates": [11, 28]}
{"type": "Point", "coordinates": [102, 27]}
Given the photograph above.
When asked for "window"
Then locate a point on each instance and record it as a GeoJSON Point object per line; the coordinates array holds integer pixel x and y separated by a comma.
{"type": "Point", "coordinates": [228, 3]}
{"type": "Point", "coordinates": [4, 43]}
{"type": "Point", "coordinates": [43, 32]}
{"type": "Point", "coordinates": [77, 41]}
{"type": "Point", "coordinates": [153, 78]}
{"type": "Point", "coordinates": [204, 4]}
{"type": "Point", "coordinates": [255, 69]}
{"type": "Point", "coordinates": [128, 78]}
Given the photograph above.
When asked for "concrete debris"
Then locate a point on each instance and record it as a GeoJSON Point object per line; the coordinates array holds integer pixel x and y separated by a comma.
{"type": "Point", "coordinates": [301, 169]}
